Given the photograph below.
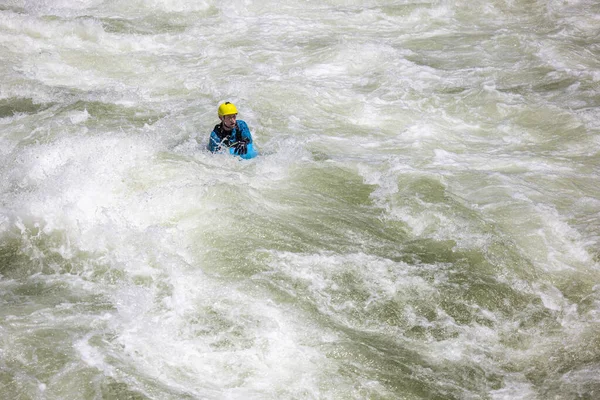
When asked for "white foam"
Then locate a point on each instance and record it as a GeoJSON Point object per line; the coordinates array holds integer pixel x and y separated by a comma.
{"type": "Point", "coordinates": [423, 102]}
{"type": "Point", "coordinates": [515, 387]}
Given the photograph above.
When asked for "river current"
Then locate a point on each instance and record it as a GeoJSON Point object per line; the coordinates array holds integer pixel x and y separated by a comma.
{"type": "Point", "coordinates": [423, 221]}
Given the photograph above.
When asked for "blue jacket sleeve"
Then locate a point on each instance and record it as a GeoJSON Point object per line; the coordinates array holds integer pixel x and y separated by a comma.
{"type": "Point", "coordinates": [244, 130]}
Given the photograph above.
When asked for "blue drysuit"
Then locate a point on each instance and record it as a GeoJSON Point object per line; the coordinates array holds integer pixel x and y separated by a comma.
{"type": "Point", "coordinates": [221, 139]}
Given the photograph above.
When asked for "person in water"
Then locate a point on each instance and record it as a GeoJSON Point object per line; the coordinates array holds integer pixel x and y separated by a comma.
{"type": "Point", "coordinates": [231, 132]}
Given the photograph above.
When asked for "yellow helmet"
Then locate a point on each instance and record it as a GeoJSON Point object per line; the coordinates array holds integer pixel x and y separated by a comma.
{"type": "Point", "coordinates": [227, 108]}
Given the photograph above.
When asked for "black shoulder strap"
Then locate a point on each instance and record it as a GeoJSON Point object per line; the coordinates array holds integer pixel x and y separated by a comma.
{"type": "Point", "coordinates": [223, 137]}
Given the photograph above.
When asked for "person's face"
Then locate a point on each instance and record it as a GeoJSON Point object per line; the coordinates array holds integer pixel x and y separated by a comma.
{"type": "Point", "coordinates": [229, 121]}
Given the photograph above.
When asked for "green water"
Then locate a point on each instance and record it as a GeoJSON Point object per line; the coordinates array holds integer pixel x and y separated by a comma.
{"type": "Point", "coordinates": [422, 221]}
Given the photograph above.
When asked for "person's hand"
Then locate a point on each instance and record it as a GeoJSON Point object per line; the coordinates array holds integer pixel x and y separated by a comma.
{"type": "Point", "coordinates": [241, 147]}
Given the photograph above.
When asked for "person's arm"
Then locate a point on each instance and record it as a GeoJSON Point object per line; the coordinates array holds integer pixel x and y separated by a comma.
{"type": "Point", "coordinates": [245, 131]}
{"type": "Point", "coordinates": [243, 138]}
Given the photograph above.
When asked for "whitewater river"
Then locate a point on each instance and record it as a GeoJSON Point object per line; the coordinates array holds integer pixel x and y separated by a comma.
{"type": "Point", "coordinates": [423, 221]}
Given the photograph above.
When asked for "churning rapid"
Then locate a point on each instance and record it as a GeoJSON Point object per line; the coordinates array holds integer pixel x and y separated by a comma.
{"type": "Point", "coordinates": [423, 221]}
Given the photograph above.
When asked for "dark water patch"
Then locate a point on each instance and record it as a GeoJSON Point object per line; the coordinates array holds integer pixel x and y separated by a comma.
{"type": "Point", "coordinates": [17, 10]}
{"type": "Point", "coordinates": [143, 26]}
{"type": "Point", "coordinates": [442, 52]}
{"type": "Point", "coordinates": [579, 287]}
{"type": "Point", "coordinates": [467, 292]}
{"type": "Point", "coordinates": [379, 359]}
{"type": "Point", "coordinates": [27, 251]}
{"type": "Point", "coordinates": [42, 352]}
{"type": "Point", "coordinates": [157, 23]}
{"type": "Point", "coordinates": [334, 211]}
{"type": "Point", "coordinates": [452, 90]}
{"type": "Point", "coordinates": [9, 254]}
{"type": "Point", "coordinates": [22, 257]}
{"type": "Point", "coordinates": [17, 105]}
{"type": "Point", "coordinates": [403, 370]}
{"type": "Point", "coordinates": [404, 10]}
{"type": "Point", "coordinates": [42, 294]}
{"type": "Point", "coordinates": [104, 114]}
{"type": "Point", "coordinates": [566, 369]}
{"type": "Point", "coordinates": [553, 84]}
{"type": "Point", "coordinates": [42, 317]}
{"type": "Point", "coordinates": [151, 24]}
{"type": "Point", "coordinates": [112, 389]}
